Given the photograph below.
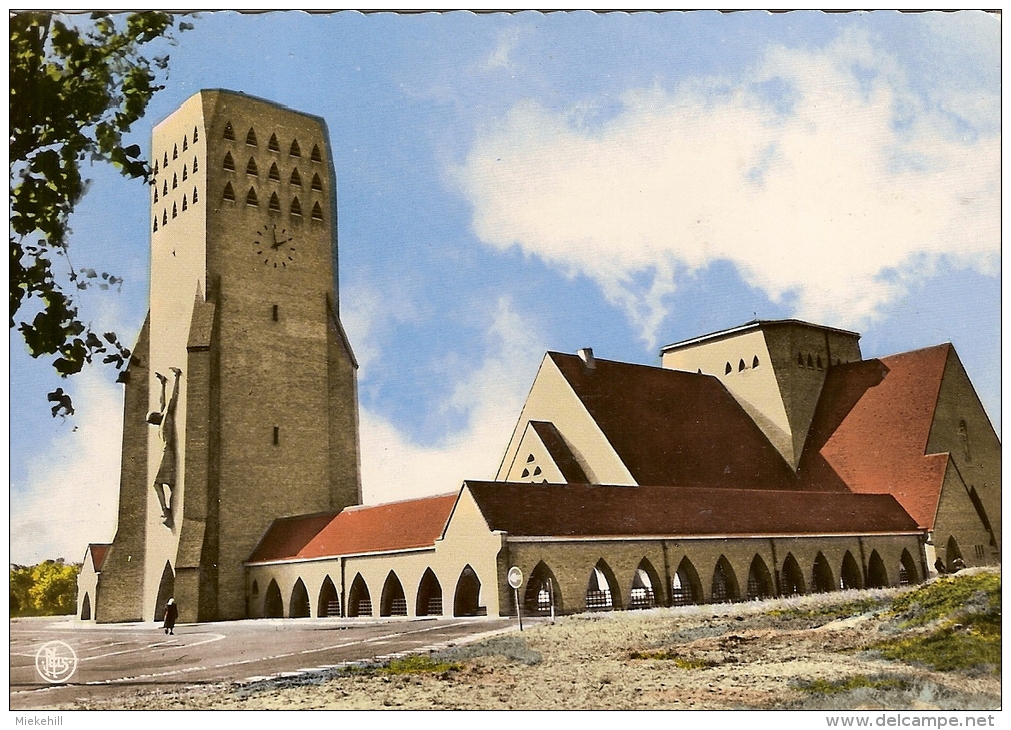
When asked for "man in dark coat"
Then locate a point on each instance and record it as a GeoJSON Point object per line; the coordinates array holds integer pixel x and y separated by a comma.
{"type": "Point", "coordinates": [171, 614]}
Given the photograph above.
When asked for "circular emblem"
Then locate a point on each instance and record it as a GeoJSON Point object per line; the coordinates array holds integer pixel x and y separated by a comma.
{"type": "Point", "coordinates": [56, 662]}
{"type": "Point", "coordinates": [515, 577]}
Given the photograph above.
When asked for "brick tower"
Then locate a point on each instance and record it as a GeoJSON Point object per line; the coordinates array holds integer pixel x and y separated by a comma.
{"type": "Point", "coordinates": [241, 396]}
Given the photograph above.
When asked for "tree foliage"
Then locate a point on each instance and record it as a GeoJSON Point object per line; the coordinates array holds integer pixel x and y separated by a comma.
{"type": "Point", "coordinates": [46, 589]}
{"type": "Point", "coordinates": [75, 90]}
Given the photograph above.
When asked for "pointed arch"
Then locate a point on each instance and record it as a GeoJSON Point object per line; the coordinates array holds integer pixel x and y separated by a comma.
{"type": "Point", "coordinates": [821, 575]}
{"type": "Point", "coordinates": [645, 586]}
{"type": "Point", "coordinates": [185, 176]}
{"type": "Point", "coordinates": [272, 144]}
{"type": "Point", "coordinates": [317, 183]}
{"type": "Point", "coordinates": [392, 601]}
{"type": "Point", "coordinates": [251, 137]}
{"type": "Point", "coordinates": [196, 135]}
{"type": "Point", "coordinates": [317, 212]}
{"type": "Point", "coordinates": [849, 575]}
{"type": "Point", "coordinates": [877, 574]}
{"type": "Point", "coordinates": [196, 164]}
{"type": "Point", "coordinates": [359, 600]}
{"type": "Point", "coordinates": [184, 201]}
{"type": "Point", "coordinates": [175, 211]}
{"type": "Point", "coordinates": [175, 151]}
{"type": "Point", "coordinates": [229, 132]}
{"type": "Point", "coordinates": [86, 608]}
{"type": "Point", "coordinates": [275, 203]}
{"type": "Point", "coordinates": [810, 361]}
{"type": "Point", "coordinates": [793, 577]}
{"type": "Point", "coordinates": [251, 197]}
{"type": "Point", "coordinates": [724, 586]}
{"type": "Point", "coordinates": [467, 599]}
{"type": "Point", "coordinates": [251, 168]}
{"type": "Point", "coordinates": [164, 216]}
{"type": "Point", "coordinates": [542, 590]}
{"type": "Point", "coordinates": [195, 199]}
{"type": "Point", "coordinates": [296, 207]}
{"type": "Point", "coordinates": [328, 604]}
{"type": "Point", "coordinates": [175, 181]}
{"type": "Point", "coordinates": [760, 583]}
{"type": "Point", "coordinates": [602, 591]}
{"type": "Point", "coordinates": [728, 369]}
{"type": "Point", "coordinates": [164, 188]}
{"type": "Point", "coordinates": [316, 155]}
{"type": "Point", "coordinates": [298, 606]}
{"type": "Point", "coordinates": [908, 574]}
{"type": "Point", "coordinates": [274, 173]}
{"type": "Point", "coordinates": [155, 194]}
{"type": "Point", "coordinates": [951, 554]}
{"type": "Point", "coordinates": [754, 362]}
{"type": "Point", "coordinates": [273, 605]}
{"type": "Point", "coordinates": [800, 359]}
{"type": "Point", "coordinates": [229, 193]}
{"type": "Point", "coordinates": [155, 225]}
{"type": "Point", "coordinates": [295, 178]}
{"type": "Point", "coordinates": [165, 161]}
{"type": "Point", "coordinates": [185, 145]}
{"type": "Point", "coordinates": [429, 601]}
{"type": "Point", "coordinates": [741, 366]}
{"type": "Point", "coordinates": [686, 588]}
{"type": "Point", "coordinates": [229, 162]}
{"type": "Point", "coordinates": [294, 150]}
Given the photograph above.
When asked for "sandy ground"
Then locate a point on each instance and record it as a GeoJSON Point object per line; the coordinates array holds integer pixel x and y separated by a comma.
{"type": "Point", "coordinates": [717, 657]}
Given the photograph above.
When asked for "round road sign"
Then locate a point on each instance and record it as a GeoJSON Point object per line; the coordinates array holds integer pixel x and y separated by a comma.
{"type": "Point", "coordinates": [515, 577]}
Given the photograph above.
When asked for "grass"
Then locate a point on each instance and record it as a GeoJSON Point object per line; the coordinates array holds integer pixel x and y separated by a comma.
{"type": "Point", "coordinates": [681, 662]}
{"type": "Point", "coordinates": [418, 665]}
{"type": "Point", "coordinates": [832, 611]}
{"type": "Point", "coordinates": [948, 596]}
{"type": "Point", "coordinates": [859, 681]}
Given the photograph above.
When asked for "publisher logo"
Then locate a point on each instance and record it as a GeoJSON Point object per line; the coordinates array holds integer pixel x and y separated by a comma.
{"type": "Point", "coordinates": [56, 662]}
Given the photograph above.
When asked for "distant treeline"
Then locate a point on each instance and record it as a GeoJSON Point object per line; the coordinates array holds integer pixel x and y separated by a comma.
{"type": "Point", "coordinates": [46, 589]}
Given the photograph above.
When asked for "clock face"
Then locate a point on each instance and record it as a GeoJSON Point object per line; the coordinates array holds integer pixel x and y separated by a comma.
{"type": "Point", "coordinates": [274, 246]}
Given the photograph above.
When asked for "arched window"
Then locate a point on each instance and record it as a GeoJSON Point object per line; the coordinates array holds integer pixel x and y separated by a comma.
{"type": "Point", "coordinates": [274, 173]}
{"type": "Point", "coordinates": [429, 595]}
{"type": "Point", "coordinates": [818, 363]}
{"type": "Point", "coordinates": [298, 607]}
{"type": "Point", "coordinates": [229, 134]}
{"type": "Point", "coordinates": [686, 588]}
{"type": "Point", "coordinates": [724, 587]}
{"type": "Point", "coordinates": [295, 179]}
{"type": "Point", "coordinates": [316, 156]}
{"type": "Point", "coordinates": [908, 574]}
{"type": "Point", "coordinates": [251, 197]}
{"type": "Point", "coordinates": [741, 366]}
{"type": "Point", "coordinates": [294, 151]}
{"type": "Point", "coordinates": [810, 361]}
{"type": "Point", "coordinates": [793, 577]}
{"type": "Point", "coordinates": [328, 604]}
{"type": "Point", "coordinates": [317, 212]}
{"type": "Point", "coordinates": [821, 575]}
{"type": "Point", "coordinates": [275, 204]}
{"type": "Point", "coordinates": [273, 606]}
{"type": "Point", "coordinates": [393, 602]}
{"type": "Point", "coordinates": [602, 589]}
{"type": "Point", "coordinates": [542, 591]}
{"type": "Point", "coordinates": [359, 602]}
{"type": "Point", "coordinates": [166, 590]}
{"type": "Point", "coordinates": [877, 575]}
{"type": "Point", "coordinates": [754, 362]}
{"type": "Point", "coordinates": [272, 145]}
{"type": "Point", "coordinates": [86, 608]}
{"type": "Point", "coordinates": [643, 593]}
{"type": "Point", "coordinates": [251, 168]}
{"type": "Point", "coordinates": [251, 138]}
{"type": "Point", "coordinates": [296, 207]}
{"type": "Point", "coordinates": [467, 600]}
{"type": "Point", "coordinates": [729, 369]}
{"type": "Point", "coordinates": [849, 576]}
{"type": "Point", "coordinates": [800, 359]}
{"type": "Point", "coordinates": [229, 163]}
{"type": "Point", "coordinates": [952, 553]}
{"type": "Point", "coordinates": [317, 184]}
{"type": "Point", "coordinates": [229, 194]}
{"type": "Point", "coordinates": [760, 583]}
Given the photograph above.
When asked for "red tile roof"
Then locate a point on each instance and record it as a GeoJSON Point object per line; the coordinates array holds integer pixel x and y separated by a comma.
{"type": "Point", "coordinates": [98, 551]}
{"type": "Point", "coordinates": [869, 433]}
{"type": "Point", "coordinates": [675, 428]}
{"type": "Point", "coordinates": [581, 510]}
{"type": "Point", "coordinates": [413, 523]}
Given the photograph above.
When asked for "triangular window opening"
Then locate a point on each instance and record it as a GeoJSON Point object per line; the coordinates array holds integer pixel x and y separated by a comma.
{"type": "Point", "coordinates": [175, 151]}
{"type": "Point", "coordinates": [184, 201]}
{"type": "Point", "coordinates": [196, 135]}
{"type": "Point", "coordinates": [184, 172]}
{"type": "Point", "coordinates": [316, 156]}
{"type": "Point", "coordinates": [251, 167]}
{"type": "Point", "coordinates": [275, 204]}
{"type": "Point", "coordinates": [229, 134]}
{"type": "Point", "coordinates": [754, 363]}
{"type": "Point", "coordinates": [229, 193]}
{"type": "Point", "coordinates": [156, 193]}
{"type": "Point", "coordinates": [251, 138]}
{"type": "Point", "coordinates": [156, 224]}
{"type": "Point", "coordinates": [174, 213]}
{"type": "Point", "coordinates": [294, 150]}
{"type": "Point", "coordinates": [251, 197]}
{"type": "Point", "coordinates": [272, 145]}
{"type": "Point", "coordinates": [164, 162]}
{"type": "Point", "coordinates": [185, 146]}
{"type": "Point", "coordinates": [728, 369]}
{"type": "Point", "coordinates": [175, 181]}
{"type": "Point", "coordinates": [741, 366]}
{"type": "Point", "coordinates": [296, 207]}
{"type": "Point", "coordinates": [274, 174]}
{"type": "Point", "coordinates": [317, 212]}
{"type": "Point", "coordinates": [164, 188]}
{"type": "Point", "coordinates": [195, 165]}
{"type": "Point", "coordinates": [156, 167]}
{"type": "Point", "coordinates": [164, 217]}
{"type": "Point", "coordinates": [317, 184]}
{"type": "Point", "coordinates": [229, 163]}
{"type": "Point", "coordinates": [194, 195]}
{"type": "Point", "coordinates": [296, 179]}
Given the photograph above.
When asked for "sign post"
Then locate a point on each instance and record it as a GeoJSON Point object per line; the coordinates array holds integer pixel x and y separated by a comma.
{"type": "Point", "coordinates": [515, 578]}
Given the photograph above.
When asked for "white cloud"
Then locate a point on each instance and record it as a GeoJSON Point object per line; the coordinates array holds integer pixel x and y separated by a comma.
{"type": "Point", "coordinates": [507, 41]}
{"type": "Point", "coordinates": [833, 206]}
{"type": "Point", "coordinates": [393, 467]}
{"type": "Point", "coordinates": [72, 494]}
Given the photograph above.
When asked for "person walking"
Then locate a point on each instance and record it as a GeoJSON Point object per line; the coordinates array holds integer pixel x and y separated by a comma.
{"type": "Point", "coordinates": [171, 614]}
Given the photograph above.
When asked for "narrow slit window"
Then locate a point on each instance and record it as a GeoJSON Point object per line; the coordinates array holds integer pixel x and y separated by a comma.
{"type": "Point", "coordinates": [741, 365]}
{"type": "Point", "coordinates": [229, 193]}
{"type": "Point", "coordinates": [274, 173]}
{"type": "Point", "coordinates": [317, 212]}
{"type": "Point", "coordinates": [277, 436]}
{"type": "Point", "coordinates": [174, 211]}
{"type": "Point", "coordinates": [296, 179]}
{"type": "Point", "coordinates": [195, 195]}
{"type": "Point", "coordinates": [251, 138]}
{"type": "Point", "coordinates": [818, 363]}
{"type": "Point", "coordinates": [156, 193]}
{"type": "Point", "coordinates": [195, 165]}
{"type": "Point", "coordinates": [800, 360]}
{"type": "Point", "coordinates": [229, 134]}
{"type": "Point", "coordinates": [810, 362]}
{"type": "Point", "coordinates": [251, 168]}
{"type": "Point", "coordinates": [196, 135]}
{"type": "Point", "coordinates": [316, 156]}
{"type": "Point", "coordinates": [164, 217]}
{"type": "Point", "coordinates": [175, 151]}
{"type": "Point", "coordinates": [156, 167]}
{"type": "Point", "coordinates": [164, 162]}
{"type": "Point", "coordinates": [185, 146]}
{"type": "Point", "coordinates": [275, 204]}
{"type": "Point", "coordinates": [184, 201]}
{"type": "Point", "coordinates": [274, 313]}
{"type": "Point", "coordinates": [272, 145]}
{"type": "Point", "coordinates": [317, 184]}
{"type": "Point", "coordinates": [251, 198]}
{"type": "Point", "coordinates": [184, 172]}
{"type": "Point", "coordinates": [294, 150]}
{"type": "Point", "coordinates": [164, 188]}
{"type": "Point", "coordinates": [296, 207]}
{"type": "Point", "coordinates": [229, 163]}
{"type": "Point", "coordinates": [175, 181]}
{"type": "Point", "coordinates": [156, 224]}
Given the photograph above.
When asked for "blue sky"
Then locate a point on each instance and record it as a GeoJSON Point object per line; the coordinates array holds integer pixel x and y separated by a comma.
{"type": "Point", "coordinates": [509, 184]}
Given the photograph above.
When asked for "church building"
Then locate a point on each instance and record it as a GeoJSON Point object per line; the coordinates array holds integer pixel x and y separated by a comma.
{"type": "Point", "coordinates": [769, 459]}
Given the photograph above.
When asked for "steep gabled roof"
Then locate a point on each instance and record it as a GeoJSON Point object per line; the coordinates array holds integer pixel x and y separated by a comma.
{"type": "Point", "coordinates": [582, 510]}
{"type": "Point", "coordinates": [870, 431]}
{"type": "Point", "coordinates": [98, 553]}
{"type": "Point", "coordinates": [414, 523]}
{"type": "Point", "coordinates": [560, 452]}
{"type": "Point", "coordinates": [675, 428]}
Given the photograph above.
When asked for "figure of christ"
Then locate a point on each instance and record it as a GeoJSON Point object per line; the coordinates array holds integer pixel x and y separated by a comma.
{"type": "Point", "coordinates": [165, 480]}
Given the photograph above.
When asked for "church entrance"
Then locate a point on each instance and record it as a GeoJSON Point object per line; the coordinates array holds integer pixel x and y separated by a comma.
{"type": "Point", "coordinates": [166, 590]}
{"type": "Point", "coordinates": [468, 594]}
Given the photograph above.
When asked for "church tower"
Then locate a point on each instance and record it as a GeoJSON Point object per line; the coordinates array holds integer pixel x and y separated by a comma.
{"type": "Point", "coordinates": [241, 396]}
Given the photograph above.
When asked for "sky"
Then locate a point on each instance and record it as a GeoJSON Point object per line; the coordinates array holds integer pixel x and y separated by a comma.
{"type": "Point", "coordinates": [510, 184]}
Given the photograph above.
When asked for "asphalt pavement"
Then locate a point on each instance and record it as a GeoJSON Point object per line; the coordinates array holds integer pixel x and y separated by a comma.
{"type": "Point", "coordinates": [122, 658]}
